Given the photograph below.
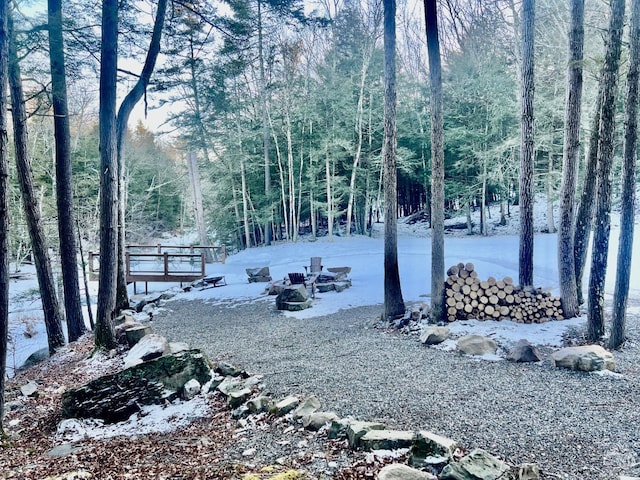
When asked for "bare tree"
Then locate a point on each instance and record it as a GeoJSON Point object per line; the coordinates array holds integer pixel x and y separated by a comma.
{"type": "Point", "coordinates": [105, 337]}
{"type": "Point", "coordinates": [526, 146]}
{"type": "Point", "coordinates": [4, 205]}
{"type": "Point", "coordinates": [393, 301]}
{"type": "Point", "coordinates": [50, 306]}
{"type": "Point", "coordinates": [625, 248]}
{"type": "Point", "coordinates": [130, 101]}
{"type": "Point", "coordinates": [437, 162]}
{"type": "Point", "coordinates": [64, 189]}
{"type": "Point", "coordinates": [600, 249]}
{"type": "Point", "coordinates": [573, 104]}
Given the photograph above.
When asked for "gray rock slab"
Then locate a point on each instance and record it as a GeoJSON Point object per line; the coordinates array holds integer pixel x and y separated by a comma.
{"type": "Point", "coordinates": [317, 420]}
{"type": "Point", "coordinates": [523, 351]}
{"type": "Point", "coordinates": [398, 471]}
{"type": "Point", "coordinates": [307, 407]}
{"type": "Point", "coordinates": [29, 389]}
{"type": "Point", "coordinates": [63, 450]}
{"type": "Point", "coordinates": [149, 347]}
{"type": "Point", "coordinates": [356, 430]}
{"type": "Point", "coordinates": [431, 449]}
{"type": "Point", "coordinates": [434, 335]}
{"type": "Point", "coordinates": [477, 465]}
{"type": "Point", "coordinates": [477, 345]}
{"type": "Point", "coordinates": [586, 358]}
{"type": "Point", "coordinates": [386, 440]}
{"type": "Point", "coordinates": [285, 406]}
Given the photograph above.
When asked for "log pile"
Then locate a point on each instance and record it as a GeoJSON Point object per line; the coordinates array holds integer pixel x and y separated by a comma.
{"type": "Point", "coordinates": [467, 297]}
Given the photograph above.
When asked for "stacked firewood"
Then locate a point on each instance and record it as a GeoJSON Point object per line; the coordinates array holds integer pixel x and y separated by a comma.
{"type": "Point", "coordinates": [467, 297]}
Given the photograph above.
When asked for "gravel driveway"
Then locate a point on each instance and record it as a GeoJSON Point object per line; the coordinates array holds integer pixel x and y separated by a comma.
{"type": "Point", "coordinates": [574, 425]}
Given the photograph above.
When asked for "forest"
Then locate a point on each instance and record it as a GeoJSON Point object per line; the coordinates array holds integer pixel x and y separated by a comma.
{"type": "Point", "coordinates": [274, 119]}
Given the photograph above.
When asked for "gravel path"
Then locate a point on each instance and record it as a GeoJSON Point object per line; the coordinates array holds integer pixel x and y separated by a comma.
{"type": "Point", "coordinates": [574, 425]}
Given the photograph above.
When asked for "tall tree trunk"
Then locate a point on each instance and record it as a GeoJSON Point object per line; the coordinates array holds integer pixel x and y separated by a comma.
{"type": "Point", "coordinates": [625, 247]}
{"type": "Point", "coordinates": [437, 163]}
{"type": "Point", "coordinates": [52, 313]}
{"type": "Point", "coordinates": [64, 188]}
{"type": "Point", "coordinates": [4, 206]}
{"type": "Point", "coordinates": [104, 334]}
{"type": "Point", "coordinates": [291, 179]}
{"type": "Point", "coordinates": [196, 190]}
{"type": "Point", "coordinates": [130, 101]}
{"type": "Point", "coordinates": [245, 207]}
{"type": "Point", "coordinates": [393, 301]}
{"type": "Point", "coordinates": [330, 212]}
{"type": "Point", "coordinates": [584, 216]}
{"type": "Point", "coordinates": [551, 224]}
{"type": "Point", "coordinates": [571, 148]}
{"type": "Point", "coordinates": [600, 250]}
{"type": "Point", "coordinates": [525, 274]}
{"type": "Point", "coordinates": [265, 126]}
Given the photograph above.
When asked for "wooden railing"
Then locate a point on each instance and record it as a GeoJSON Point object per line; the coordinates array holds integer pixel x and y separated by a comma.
{"type": "Point", "coordinates": [162, 266]}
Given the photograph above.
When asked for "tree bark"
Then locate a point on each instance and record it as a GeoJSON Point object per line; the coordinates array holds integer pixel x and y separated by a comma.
{"type": "Point", "coordinates": [437, 163]}
{"type": "Point", "coordinates": [64, 189]}
{"type": "Point", "coordinates": [50, 306]}
{"type": "Point", "coordinates": [525, 275]}
{"type": "Point", "coordinates": [4, 206]}
{"type": "Point", "coordinates": [130, 101]}
{"type": "Point", "coordinates": [196, 190]}
{"type": "Point", "coordinates": [584, 217]}
{"type": "Point", "coordinates": [571, 148]}
{"type": "Point", "coordinates": [265, 125]}
{"type": "Point", "coordinates": [625, 247]}
{"type": "Point", "coordinates": [104, 335]}
{"type": "Point", "coordinates": [600, 250]}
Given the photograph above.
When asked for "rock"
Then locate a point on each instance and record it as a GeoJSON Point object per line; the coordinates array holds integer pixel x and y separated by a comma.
{"type": "Point", "coordinates": [228, 370]}
{"type": "Point", "coordinates": [341, 286]}
{"type": "Point", "coordinates": [30, 389]}
{"type": "Point", "coordinates": [63, 450]}
{"type": "Point", "coordinates": [116, 397]}
{"type": "Point", "coordinates": [276, 288]}
{"type": "Point", "coordinates": [292, 294]}
{"type": "Point", "coordinates": [398, 471]}
{"type": "Point", "coordinates": [307, 407]}
{"type": "Point", "coordinates": [261, 403]}
{"type": "Point", "coordinates": [230, 384]}
{"type": "Point", "coordinates": [317, 420]}
{"type": "Point", "coordinates": [386, 440]}
{"type": "Point", "coordinates": [431, 449]}
{"type": "Point", "coordinates": [477, 465]}
{"type": "Point", "coordinates": [586, 358]}
{"type": "Point", "coordinates": [433, 335]}
{"type": "Point", "coordinates": [528, 471]}
{"type": "Point", "coordinates": [240, 412]}
{"type": "Point", "coordinates": [238, 397]}
{"type": "Point", "coordinates": [338, 428]}
{"type": "Point", "coordinates": [477, 345]}
{"type": "Point", "coordinates": [325, 287]}
{"type": "Point", "coordinates": [285, 406]}
{"type": "Point", "coordinates": [149, 347]}
{"type": "Point", "coordinates": [523, 351]}
{"type": "Point", "coordinates": [356, 430]}
{"type": "Point", "coordinates": [260, 274]}
{"type": "Point", "coordinates": [191, 389]}
{"type": "Point", "coordinates": [35, 358]}
{"type": "Point", "coordinates": [126, 316]}
{"type": "Point", "coordinates": [249, 452]}
{"type": "Point", "coordinates": [135, 334]}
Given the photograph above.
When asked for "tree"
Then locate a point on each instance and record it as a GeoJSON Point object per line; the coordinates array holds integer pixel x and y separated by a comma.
{"type": "Point", "coordinates": [4, 205]}
{"type": "Point", "coordinates": [627, 217]}
{"type": "Point", "coordinates": [437, 163]}
{"type": "Point", "coordinates": [600, 248]}
{"type": "Point", "coordinates": [64, 190]}
{"type": "Point", "coordinates": [393, 302]}
{"type": "Point", "coordinates": [130, 101]}
{"type": "Point", "coordinates": [104, 335]}
{"type": "Point", "coordinates": [566, 261]}
{"type": "Point", "coordinates": [50, 306]}
{"type": "Point", "coordinates": [525, 264]}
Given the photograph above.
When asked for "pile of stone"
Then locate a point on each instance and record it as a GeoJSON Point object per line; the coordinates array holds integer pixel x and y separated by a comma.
{"type": "Point", "coordinates": [334, 279]}
{"type": "Point", "coordinates": [293, 298]}
{"type": "Point", "coordinates": [467, 297]}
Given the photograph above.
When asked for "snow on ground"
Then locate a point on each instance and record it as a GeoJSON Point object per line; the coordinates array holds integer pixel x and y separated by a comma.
{"type": "Point", "coordinates": [495, 256]}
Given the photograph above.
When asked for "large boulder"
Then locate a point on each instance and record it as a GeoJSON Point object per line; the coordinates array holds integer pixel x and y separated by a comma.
{"type": "Point", "coordinates": [477, 465]}
{"type": "Point", "coordinates": [386, 440]}
{"type": "Point", "coordinates": [307, 407]}
{"type": "Point", "coordinates": [523, 351]}
{"type": "Point", "coordinates": [116, 397]}
{"type": "Point", "coordinates": [315, 421]}
{"type": "Point", "coordinates": [586, 358]}
{"type": "Point", "coordinates": [293, 294]}
{"type": "Point", "coordinates": [477, 345]}
{"type": "Point", "coordinates": [398, 471]}
{"type": "Point", "coordinates": [433, 335]}
{"type": "Point", "coordinates": [356, 430]}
